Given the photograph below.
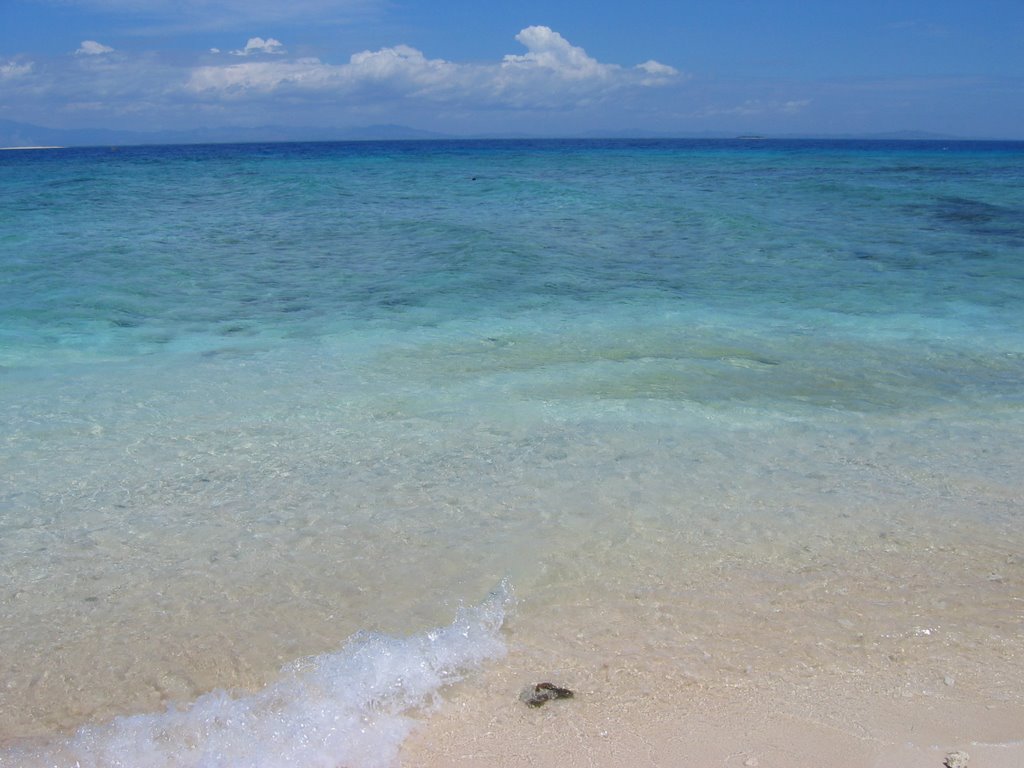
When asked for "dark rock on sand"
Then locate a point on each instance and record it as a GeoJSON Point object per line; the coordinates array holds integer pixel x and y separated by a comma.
{"type": "Point", "coordinates": [540, 694]}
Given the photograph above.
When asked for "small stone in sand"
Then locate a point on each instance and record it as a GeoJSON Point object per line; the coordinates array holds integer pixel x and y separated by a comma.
{"type": "Point", "coordinates": [540, 694]}
{"type": "Point", "coordinates": [956, 760]}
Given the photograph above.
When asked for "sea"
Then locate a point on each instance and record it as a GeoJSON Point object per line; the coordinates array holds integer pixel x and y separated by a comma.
{"type": "Point", "coordinates": [298, 441]}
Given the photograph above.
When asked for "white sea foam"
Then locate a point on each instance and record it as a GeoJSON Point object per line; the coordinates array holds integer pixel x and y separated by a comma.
{"type": "Point", "coordinates": [351, 708]}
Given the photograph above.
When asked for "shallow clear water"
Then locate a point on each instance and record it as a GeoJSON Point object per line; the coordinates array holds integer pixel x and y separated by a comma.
{"type": "Point", "coordinates": [259, 398]}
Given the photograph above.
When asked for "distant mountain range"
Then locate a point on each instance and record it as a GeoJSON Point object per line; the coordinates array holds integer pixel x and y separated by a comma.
{"type": "Point", "coordinates": [15, 134]}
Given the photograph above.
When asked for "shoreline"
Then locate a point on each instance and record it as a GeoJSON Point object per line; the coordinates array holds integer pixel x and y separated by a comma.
{"type": "Point", "coordinates": [746, 728]}
{"type": "Point", "coordinates": [751, 466]}
{"type": "Point", "coordinates": [890, 636]}
{"type": "Point", "coordinates": [755, 672]}
{"type": "Point", "coordinates": [843, 653]}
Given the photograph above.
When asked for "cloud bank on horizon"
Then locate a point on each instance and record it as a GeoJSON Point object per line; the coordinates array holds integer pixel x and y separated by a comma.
{"type": "Point", "coordinates": [595, 65]}
{"type": "Point", "coordinates": [553, 74]}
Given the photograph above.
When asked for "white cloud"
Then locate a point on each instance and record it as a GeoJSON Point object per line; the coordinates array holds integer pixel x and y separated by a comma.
{"type": "Point", "coordinates": [257, 77]}
{"type": "Point", "coordinates": [12, 69]}
{"type": "Point", "coordinates": [259, 45]}
{"type": "Point", "coordinates": [552, 73]}
{"type": "Point", "coordinates": [653, 67]}
{"type": "Point", "coordinates": [546, 49]}
{"type": "Point", "coordinates": [401, 68]}
{"type": "Point", "coordinates": [92, 48]}
{"type": "Point", "coordinates": [390, 84]}
{"type": "Point", "coordinates": [656, 73]}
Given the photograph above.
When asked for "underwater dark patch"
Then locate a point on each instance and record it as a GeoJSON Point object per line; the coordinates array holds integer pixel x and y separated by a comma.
{"type": "Point", "coordinates": [976, 217]}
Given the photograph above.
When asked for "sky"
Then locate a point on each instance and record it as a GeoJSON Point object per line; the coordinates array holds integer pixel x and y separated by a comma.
{"type": "Point", "coordinates": [467, 67]}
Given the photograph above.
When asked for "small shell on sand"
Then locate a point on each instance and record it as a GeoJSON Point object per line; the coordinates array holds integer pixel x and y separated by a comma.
{"type": "Point", "coordinates": [956, 760]}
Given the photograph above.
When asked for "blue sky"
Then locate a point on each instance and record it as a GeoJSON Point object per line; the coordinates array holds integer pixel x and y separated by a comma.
{"type": "Point", "coordinates": [464, 67]}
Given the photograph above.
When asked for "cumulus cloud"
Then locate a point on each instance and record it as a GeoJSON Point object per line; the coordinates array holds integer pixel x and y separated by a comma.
{"type": "Point", "coordinates": [546, 49]}
{"type": "Point", "coordinates": [400, 68]}
{"type": "Point", "coordinates": [653, 73]}
{"type": "Point", "coordinates": [653, 67]}
{"type": "Point", "coordinates": [92, 48]}
{"type": "Point", "coordinates": [257, 77]}
{"type": "Point", "coordinates": [259, 45]}
{"type": "Point", "coordinates": [552, 72]}
{"type": "Point", "coordinates": [398, 61]}
{"type": "Point", "coordinates": [397, 83]}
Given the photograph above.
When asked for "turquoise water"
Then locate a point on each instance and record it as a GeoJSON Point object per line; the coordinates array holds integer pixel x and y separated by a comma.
{"type": "Point", "coordinates": [115, 255]}
{"type": "Point", "coordinates": [259, 398]}
{"type": "Point", "coordinates": [143, 250]}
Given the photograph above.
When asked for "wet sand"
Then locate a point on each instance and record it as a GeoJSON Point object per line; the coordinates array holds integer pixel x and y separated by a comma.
{"type": "Point", "coordinates": [648, 697]}
{"type": "Point", "coordinates": [752, 729]}
{"type": "Point", "coordinates": [890, 652]}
